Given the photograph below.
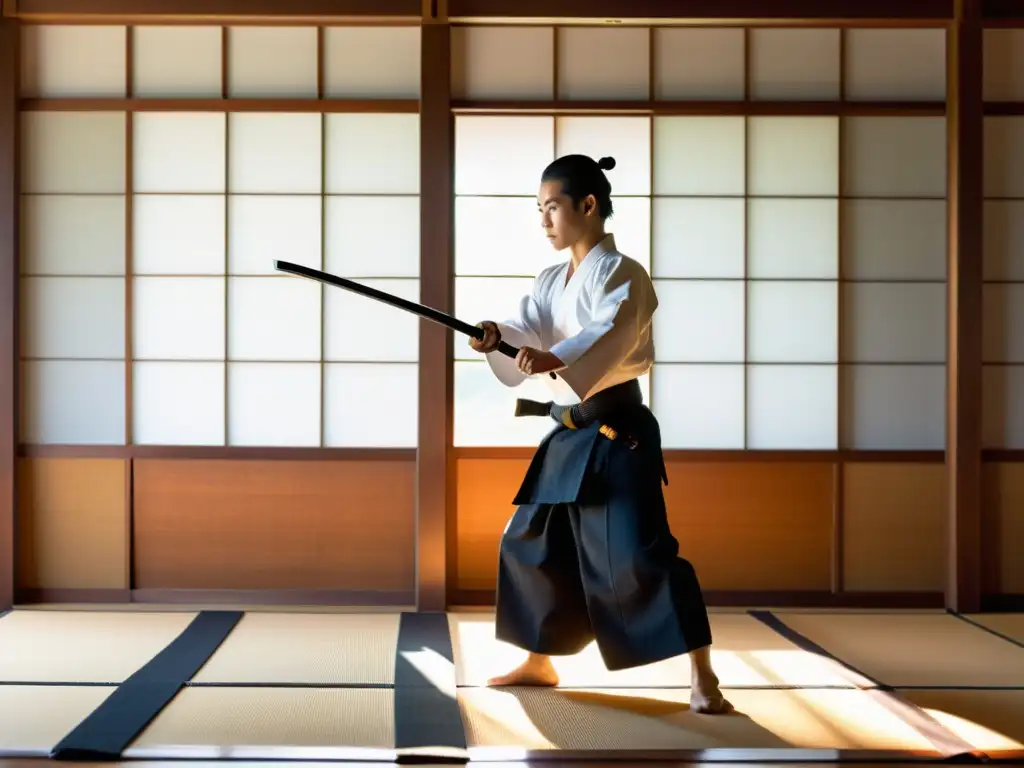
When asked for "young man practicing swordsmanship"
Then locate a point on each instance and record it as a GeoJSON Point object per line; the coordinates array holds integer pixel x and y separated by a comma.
{"type": "Point", "coordinates": [588, 554]}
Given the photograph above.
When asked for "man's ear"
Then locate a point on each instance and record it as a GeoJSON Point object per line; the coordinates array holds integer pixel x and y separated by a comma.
{"type": "Point", "coordinates": [590, 206]}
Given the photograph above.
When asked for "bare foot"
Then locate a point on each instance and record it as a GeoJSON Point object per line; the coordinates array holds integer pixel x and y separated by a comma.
{"type": "Point", "coordinates": [706, 697]}
{"type": "Point", "coordinates": [534, 671]}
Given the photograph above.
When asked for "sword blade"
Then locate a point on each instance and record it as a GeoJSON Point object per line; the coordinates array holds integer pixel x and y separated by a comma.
{"type": "Point", "coordinates": [427, 313]}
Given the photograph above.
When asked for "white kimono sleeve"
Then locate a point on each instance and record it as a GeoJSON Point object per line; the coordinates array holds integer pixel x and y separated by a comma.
{"type": "Point", "coordinates": [622, 301]}
{"type": "Point", "coordinates": [521, 330]}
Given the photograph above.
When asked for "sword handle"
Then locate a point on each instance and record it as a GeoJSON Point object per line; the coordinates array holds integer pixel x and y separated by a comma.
{"type": "Point", "coordinates": [507, 349]}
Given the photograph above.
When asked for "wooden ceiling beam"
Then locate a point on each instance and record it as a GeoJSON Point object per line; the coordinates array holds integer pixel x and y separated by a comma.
{"type": "Point", "coordinates": [704, 10]}
{"type": "Point", "coordinates": [245, 11]}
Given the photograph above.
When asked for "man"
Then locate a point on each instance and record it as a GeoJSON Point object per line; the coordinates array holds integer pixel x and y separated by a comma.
{"type": "Point", "coordinates": [588, 554]}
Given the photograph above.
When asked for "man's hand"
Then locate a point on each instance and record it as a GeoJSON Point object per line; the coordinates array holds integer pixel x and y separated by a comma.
{"type": "Point", "coordinates": [489, 342]}
{"type": "Point", "coordinates": [532, 361]}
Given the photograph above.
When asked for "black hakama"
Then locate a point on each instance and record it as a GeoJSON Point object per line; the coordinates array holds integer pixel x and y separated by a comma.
{"type": "Point", "coordinates": [588, 554]}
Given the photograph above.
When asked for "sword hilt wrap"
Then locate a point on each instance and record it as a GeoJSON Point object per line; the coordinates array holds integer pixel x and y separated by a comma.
{"type": "Point", "coordinates": [503, 347]}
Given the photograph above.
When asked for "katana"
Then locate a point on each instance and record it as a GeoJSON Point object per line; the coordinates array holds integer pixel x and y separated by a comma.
{"type": "Point", "coordinates": [427, 313]}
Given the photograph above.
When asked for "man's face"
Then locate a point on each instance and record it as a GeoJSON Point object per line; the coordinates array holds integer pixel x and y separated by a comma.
{"type": "Point", "coordinates": [562, 223]}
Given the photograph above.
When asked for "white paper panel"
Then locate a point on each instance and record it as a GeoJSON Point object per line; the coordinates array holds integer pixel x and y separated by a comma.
{"type": "Point", "coordinates": [699, 155]}
{"type": "Point", "coordinates": [794, 64]}
{"type": "Point", "coordinates": [896, 64]}
{"type": "Point", "coordinates": [359, 329]}
{"type": "Point", "coordinates": [484, 409]}
{"type": "Point", "coordinates": [627, 139]}
{"type": "Point", "coordinates": [179, 152]}
{"type": "Point", "coordinates": [178, 318]}
{"type": "Point", "coordinates": [522, 249]}
{"type": "Point", "coordinates": [792, 322]}
{"type": "Point", "coordinates": [372, 62]}
{"type": "Point", "coordinates": [178, 403]}
{"type": "Point", "coordinates": [699, 322]}
{"type": "Point", "coordinates": [894, 240]}
{"type": "Point", "coordinates": [1004, 240]}
{"type": "Point", "coordinates": [72, 235]}
{"type": "Point", "coordinates": [274, 404]}
{"type": "Point", "coordinates": [631, 226]}
{"type": "Point", "coordinates": [72, 402]}
{"type": "Point", "coordinates": [272, 62]}
{"type": "Point", "coordinates": [265, 228]}
{"type": "Point", "coordinates": [1004, 65]}
{"type": "Point", "coordinates": [177, 62]}
{"type": "Point", "coordinates": [371, 406]}
{"type": "Point", "coordinates": [1002, 406]}
{"type": "Point", "coordinates": [502, 155]}
{"type": "Point", "coordinates": [793, 156]}
{"type": "Point", "coordinates": [894, 156]}
{"type": "Point", "coordinates": [603, 63]}
{"type": "Point", "coordinates": [273, 318]}
{"type": "Point", "coordinates": [73, 152]}
{"type": "Point", "coordinates": [73, 61]}
{"type": "Point", "coordinates": [373, 154]}
{"type": "Point", "coordinates": [793, 238]}
{"type": "Point", "coordinates": [1003, 323]}
{"type": "Point", "coordinates": [792, 407]}
{"type": "Point", "coordinates": [487, 298]}
{"type": "Point", "coordinates": [1004, 157]}
{"type": "Point", "coordinates": [699, 64]}
{"type": "Point", "coordinates": [178, 234]}
{"type": "Point", "coordinates": [894, 323]}
{"type": "Point", "coordinates": [894, 408]}
{"type": "Point", "coordinates": [699, 406]}
{"type": "Point", "coordinates": [276, 153]}
{"type": "Point", "coordinates": [72, 317]}
{"type": "Point", "coordinates": [702, 238]}
{"type": "Point", "coordinates": [372, 236]}
{"type": "Point", "coordinates": [503, 63]}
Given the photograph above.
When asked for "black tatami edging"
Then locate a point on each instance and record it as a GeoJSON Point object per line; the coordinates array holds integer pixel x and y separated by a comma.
{"type": "Point", "coordinates": [428, 719]}
{"type": "Point", "coordinates": [983, 628]}
{"type": "Point", "coordinates": [117, 722]}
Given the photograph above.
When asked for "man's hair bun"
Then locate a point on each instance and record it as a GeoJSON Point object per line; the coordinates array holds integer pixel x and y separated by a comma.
{"type": "Point", "coordinates": [606, 163]}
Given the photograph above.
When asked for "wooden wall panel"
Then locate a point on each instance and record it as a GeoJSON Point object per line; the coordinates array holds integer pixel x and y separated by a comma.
{"type": "Point", "coordinates": [744, 526]}
{"type": "Point", "coordinates": [72, 524]}
{"type": "Point", "coordinates": [273, 525]}
{"type": "Point", "coordinates": [748, 526]}
{"type": "Point", "coordinates": [1004, 507]}
{"type": "Point", "coordinates": [894, 527]}
{"type": "Point", "coordinates": [484, 489]}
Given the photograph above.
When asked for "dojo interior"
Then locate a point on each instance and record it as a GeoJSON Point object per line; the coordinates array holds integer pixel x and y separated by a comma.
{"type": "Point", "coordinates": [831, 208]}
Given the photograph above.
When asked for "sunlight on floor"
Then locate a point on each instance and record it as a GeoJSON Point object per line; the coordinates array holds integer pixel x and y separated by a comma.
{"type": "Point", "coordinates": [974, 733]}
{"type": "Point", "coordinates": [435, 669]}
{"type": "Point", "coordinates": [737, 662]}
{"type": "Point", "coordinates": [648, 719]}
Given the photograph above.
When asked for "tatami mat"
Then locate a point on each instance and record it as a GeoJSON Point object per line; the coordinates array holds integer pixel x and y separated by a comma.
{"type": "Point", "coordinates": [272, 723]}
{"type": "Point", "coordinates": [1009, 625]}
{"type": "Point", "coordinates": [653, 719]}
{"type": "Point", "coordinates": [913, 650]}
{"type": "Point", "coordinates": [317, 686]}
{"type": "Point", "coordinates": [990, 720]}
{"type": "Point", "coordinates": [34, 718]}
{"type": "Point", "coordinates": [320, 649]}
{"type": "Point", "coordinates": [83, 647]}
{"type": "Point", "coordinates": [745, 653]}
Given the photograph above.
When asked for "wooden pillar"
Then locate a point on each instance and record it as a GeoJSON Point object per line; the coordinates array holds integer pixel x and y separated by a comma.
{"type": "Point", "coordinates": [437, 290]}
{"type": "Point", "coordinates": [9, 59]}
{"type": "Point", "coordinates": [964, 116]}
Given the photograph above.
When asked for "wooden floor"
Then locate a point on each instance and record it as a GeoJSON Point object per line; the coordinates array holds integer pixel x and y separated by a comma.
{"type": "Point", "coordinates": [815, 687]}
